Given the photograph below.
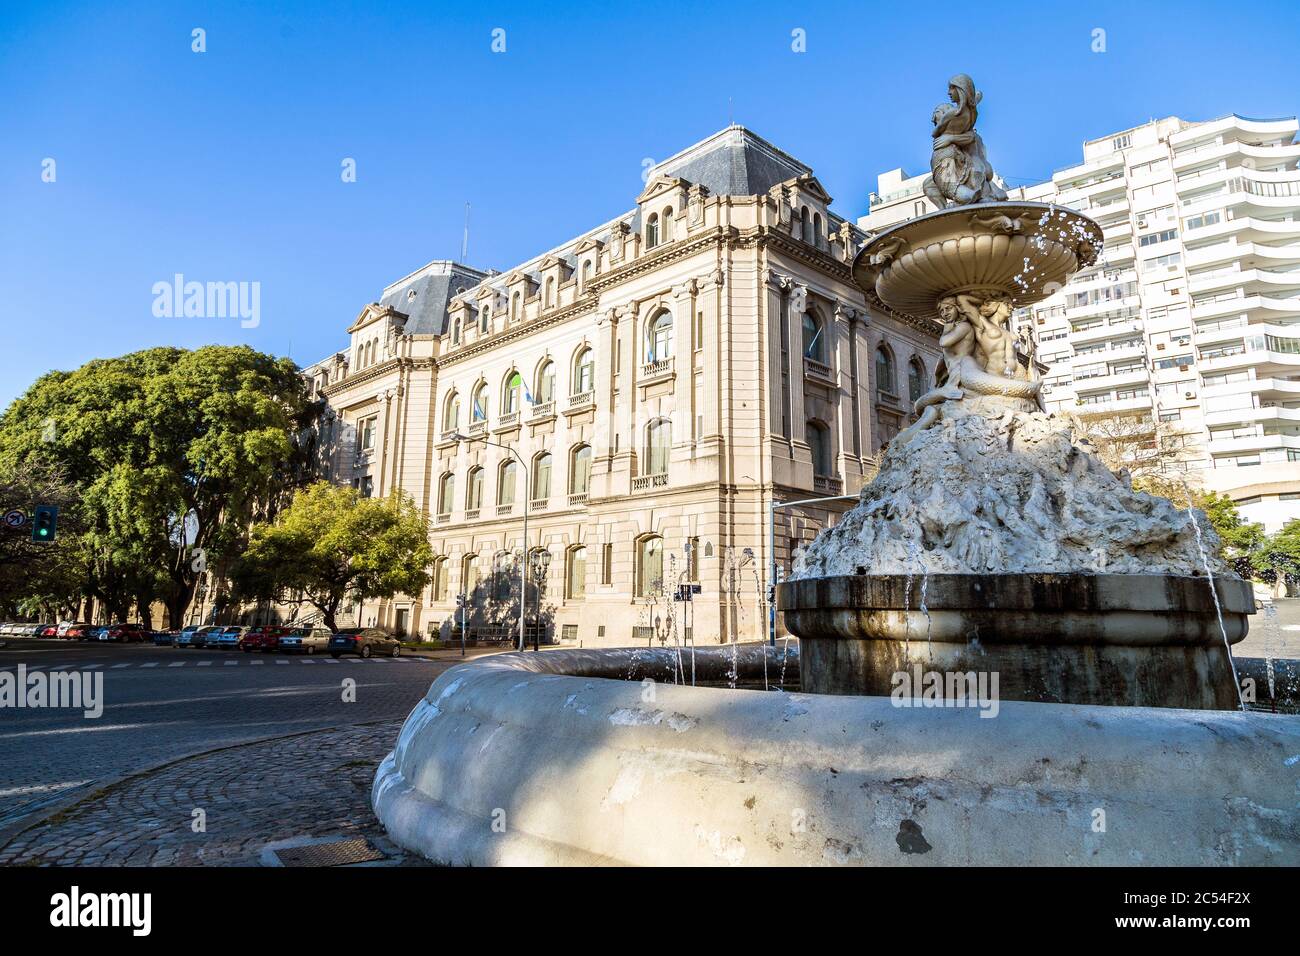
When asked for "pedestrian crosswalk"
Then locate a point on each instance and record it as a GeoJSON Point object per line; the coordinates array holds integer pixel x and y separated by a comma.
{"type": "Point", "coordinates": [77, 665]}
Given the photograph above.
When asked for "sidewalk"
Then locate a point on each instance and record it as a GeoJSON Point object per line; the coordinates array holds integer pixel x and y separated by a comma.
{"type": "Point", "coordinates": [313, 785]}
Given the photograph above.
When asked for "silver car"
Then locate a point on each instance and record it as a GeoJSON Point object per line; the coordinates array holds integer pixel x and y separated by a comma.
{"type": "Point", "coordinates": [305, 640]}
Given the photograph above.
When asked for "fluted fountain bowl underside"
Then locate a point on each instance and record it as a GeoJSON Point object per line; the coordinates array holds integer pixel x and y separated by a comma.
{"type": "Point", "coordinates": [1152, 640]}
{"type": "Point", "coordinates": [1026, 250]}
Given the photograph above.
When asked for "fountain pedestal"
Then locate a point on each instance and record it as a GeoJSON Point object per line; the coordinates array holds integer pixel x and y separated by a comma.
{"type": "Point", "coordinates": [1117, 639]}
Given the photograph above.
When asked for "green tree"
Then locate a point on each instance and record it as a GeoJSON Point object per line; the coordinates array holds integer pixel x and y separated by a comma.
{"type": "Point", "coordinates": [331, 544]}
{"type": "Point", "coordinates": [153, 437]}
{"type": "Point", "coordinates": [1278, 555]}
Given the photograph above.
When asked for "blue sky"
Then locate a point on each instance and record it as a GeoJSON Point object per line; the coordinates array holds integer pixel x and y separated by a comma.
{"type": "Point", "coordinates": [225, 165]}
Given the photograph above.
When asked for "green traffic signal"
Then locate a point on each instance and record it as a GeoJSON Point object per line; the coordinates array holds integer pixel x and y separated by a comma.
{"type": "Point", "coordinates": [45, 521]}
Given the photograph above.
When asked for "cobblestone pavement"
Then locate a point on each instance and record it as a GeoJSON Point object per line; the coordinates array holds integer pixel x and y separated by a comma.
{"type": "Point", "coordinates": [313, 785]}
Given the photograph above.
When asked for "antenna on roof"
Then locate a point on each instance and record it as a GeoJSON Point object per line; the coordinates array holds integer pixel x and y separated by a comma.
{"type": "Point", "coordinates": [464, 243]}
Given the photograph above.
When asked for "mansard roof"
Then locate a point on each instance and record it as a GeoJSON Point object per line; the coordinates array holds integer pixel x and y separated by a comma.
{"type": "Point", "coordinates": [424, 294]}
{"type": "Point", "coordinates": [733, 162]}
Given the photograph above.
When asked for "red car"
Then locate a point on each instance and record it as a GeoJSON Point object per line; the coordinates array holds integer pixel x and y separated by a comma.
{"type": "Point", "coordinates": [78, 632]}
{"type": "Point", "coordinates": [125, 633]}
{"type": "Point", "coordinates": [264, 638]}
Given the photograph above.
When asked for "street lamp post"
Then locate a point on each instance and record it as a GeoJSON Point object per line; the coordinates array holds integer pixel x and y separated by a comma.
{"type": "Point", "coordinates": [523, 564]}
{"type": "Point", "coordinates": [541, 565]}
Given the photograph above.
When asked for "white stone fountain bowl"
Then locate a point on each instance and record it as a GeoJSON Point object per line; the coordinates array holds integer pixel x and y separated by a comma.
{"type": "Point", "coordinates": [1026, 250]}
{"type": "Point", "coordinates": [559, 758]}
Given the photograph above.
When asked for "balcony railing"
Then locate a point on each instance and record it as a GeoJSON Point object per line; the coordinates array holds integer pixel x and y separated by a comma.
{"type": "Point", "coordinates": [818, 369]}
{"type": "Point", "coordinates": [477, 428]}
{"type": "Point", "coordinates": [831, 486]}
{"type": "Point", "coordinates": [577, 498]}
{"type": "Point", "coordinates": [582, 398]}
{"type": "Point", "coordinates": [471, 514]}
{"type": "Point", "coordinates": [656, 368]}
{"type": "Point", "coordinates": [504, 510]}
{"type": "Point", "coordinates": [543, 410]}
{"type": "Point", "coordinates": [444, 518]}
{"type": "Point", "coordinates": [509, 418]}
{"type": "Point", "coordinates": [539, 504]}
{"type": "Point", "coordinates": [449, 434]}
{"type": "Point", "coordinates": [644, 482]}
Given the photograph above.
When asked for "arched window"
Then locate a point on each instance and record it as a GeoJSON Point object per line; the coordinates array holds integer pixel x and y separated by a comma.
{"type": "Point", "coordinates": [805, 228]}
{"type": "Point", "coordinates": [649, 565]}
{"type": "Point", "coordinates": [575, 572]}
{"type": "Point", "coordinates": [817, 229]}
{"type": "Point", "coordinates": [652, 231]}
{"type": "Point", "coordinates": [485, 316]}
{"type": "Point", "coordinates": [541, 477]}
{"type": "Point", "coordinates": [446, 493]}
{"type": "Point", "coordinates": [885, 371]}
{"type": "Point", "coordinates": [548, 299]}
{"type": "Point", "coordinates": [506, 481]}
{"type": "Point", "coordinates": [510, 392]}
{"type": "Point", "coordinates": [474, 489]}
{"type": "Point", "coordinates": [814, 342]}
{"type": "Point", "coordinates": [451, 413]}
{"type": "Point", "coordinates": [659, 338]}
{"type": "Point", "coordinates": [658, 443]}
{"type": "Point", "coordinates": [667, 224]}
{"type": "Point", "coordinates": [819, 441]}
{"type": "Point", "coordinates": [455, 332]}
{"type": "Point", "coordinates": [469, 574]}
{"type": "Point", "coordinates": [586, 273]}
{"type": "Point", "coordinates": [439, 578]}
{"type": "Point", "coordinates": [915, 379]}
{"type": "Point", "coordinates": [479, 413]}
{"type": "Point", "coordinates": [584, 372]}
{"type": "Point", "coordinates": [514, 307]}
{"type": "Point", "coordinates": [545, 383]}
{"type": "Point", "coordinates": [579, 470]}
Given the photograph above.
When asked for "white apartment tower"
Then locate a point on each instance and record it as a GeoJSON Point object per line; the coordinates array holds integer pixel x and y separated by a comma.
{"type": "Point", "coordinates": [1190, 320]}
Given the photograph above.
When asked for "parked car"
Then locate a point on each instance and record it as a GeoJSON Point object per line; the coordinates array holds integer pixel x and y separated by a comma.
{"type": "Point", "coordinates": [227, 638]}
{"type": "Point", "coordinates": [305, 640]}
{"type": "Point", "coordinates": [124, 633]}
{"type": "Point", "coordinates": [264, 638]}
{"type": "Point", "coordinates": [75, 631]}
{"type": "Point", "coordinates": [195, 636]}
{"type": "Point", "coordinates": [365, 641]}
{"type": "Point", "coordinates": [50, 630]}
{"type": "Point", "coordinates": [164, 638]}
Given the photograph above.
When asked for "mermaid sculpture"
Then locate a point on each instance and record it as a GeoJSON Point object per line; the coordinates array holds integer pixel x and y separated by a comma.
{"type": "Point", "coordinates": [960, 170]}
{"type": "Point", "coordinates": [979, 358]}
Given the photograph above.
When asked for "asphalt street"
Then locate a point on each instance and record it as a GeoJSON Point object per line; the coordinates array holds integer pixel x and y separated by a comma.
{"type": "Point", "coordinates": [162, 703]}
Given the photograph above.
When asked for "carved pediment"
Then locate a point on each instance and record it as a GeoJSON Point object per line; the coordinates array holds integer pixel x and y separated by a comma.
{"type": "Point", "coordinates": [659, 185]}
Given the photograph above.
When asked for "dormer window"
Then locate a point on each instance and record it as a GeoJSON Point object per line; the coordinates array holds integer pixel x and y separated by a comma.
{"type": "Point", "coordinates": [667, 225]}
{"type": "Point", "coordinates": [652, 231]}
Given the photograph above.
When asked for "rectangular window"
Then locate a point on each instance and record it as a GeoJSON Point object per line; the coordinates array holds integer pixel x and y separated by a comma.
{"type": "Point", "coordinates": [607, 564]}
{"type": "Point", "coordinates": [367, 486]}
{"type": "Point", "coordinates": [366, 434]}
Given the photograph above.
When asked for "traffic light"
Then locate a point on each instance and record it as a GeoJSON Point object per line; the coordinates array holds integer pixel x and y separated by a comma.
{"type": "Point", "coordinates": [45, 522]}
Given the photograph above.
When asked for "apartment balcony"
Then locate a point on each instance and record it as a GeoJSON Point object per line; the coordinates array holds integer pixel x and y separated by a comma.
{"type": "Point", "coordinates": [504, 510]}
{"type": "Point", "coordinates": [649, 482]}
{"type": "Point", "coordinates": [448, 436]}
{"type": "Point", "coordinates": [477, 429]}
{"type": "Point", "coordinates": [444, 518]}
{"type": "Point", "coordinates": [506, 422]}
{"type": "Point", "coordinates": [1256, 443]}
{"type": "Point", "coordinates": [542, 410]}
{"type": "Point", "coordinates": [1127, 377]}
{"type": "Point", "coordinates": [1112, 406]}
{"type": "Point", "coordinates": [578, 499]}
{"type": "Point", "coordinates": [539, 504]}
{"type": "Point", "coordinates": [1262, 414]}
{"type": "Point", "coordinates": [1103, 330]}
{"type": "Point", "coordinates": [471, 514]}
{"type": "Point", "coordinates": [1259, 307]}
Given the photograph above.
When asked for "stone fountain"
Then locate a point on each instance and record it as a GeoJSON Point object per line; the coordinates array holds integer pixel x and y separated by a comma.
{"type": "Point", "coordinates": [993, 546]}
{"type": "Point", "coordinates": [993, 539]}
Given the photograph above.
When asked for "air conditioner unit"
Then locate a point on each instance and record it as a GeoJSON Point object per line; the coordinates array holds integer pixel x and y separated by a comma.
{"type": "Point", "coordinates": [1142, 223]}
{"type": "Point", "coordinates": [1189, 394]}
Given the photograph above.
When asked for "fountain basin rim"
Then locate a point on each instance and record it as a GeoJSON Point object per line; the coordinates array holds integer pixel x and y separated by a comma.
{"type": "Point", "coordinates": [1042, 592]}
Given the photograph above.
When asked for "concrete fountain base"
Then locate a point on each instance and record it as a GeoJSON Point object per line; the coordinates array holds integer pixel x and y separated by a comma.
{"type": "Point", "coordinates": [1141, 640]}
{"type": "Point", "coordinates": [567, 757]}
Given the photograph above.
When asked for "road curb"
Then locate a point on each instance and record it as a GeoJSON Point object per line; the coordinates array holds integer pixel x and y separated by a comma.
{"type": "Point", "coordinates": [45, 814]}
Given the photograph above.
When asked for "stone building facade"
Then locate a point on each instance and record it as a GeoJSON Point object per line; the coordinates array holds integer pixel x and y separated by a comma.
{"type": "Point", "coordinates": [639, 396]}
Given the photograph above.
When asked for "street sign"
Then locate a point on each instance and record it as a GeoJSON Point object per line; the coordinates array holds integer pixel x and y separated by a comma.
{"type": "Point", "coordinates": [15, 519]}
